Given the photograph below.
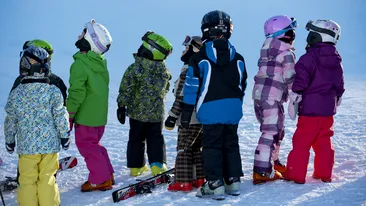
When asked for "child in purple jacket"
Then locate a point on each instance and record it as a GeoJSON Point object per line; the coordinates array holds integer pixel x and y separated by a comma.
{"type": "Point", "coordinates": [317, 89]}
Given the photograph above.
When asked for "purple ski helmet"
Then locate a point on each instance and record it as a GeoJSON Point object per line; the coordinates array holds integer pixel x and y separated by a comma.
{"type": "Point", "coordinates": [277, 26]}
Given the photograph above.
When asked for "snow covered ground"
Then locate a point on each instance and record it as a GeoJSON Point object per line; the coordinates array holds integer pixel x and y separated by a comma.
{"type": "Point", "coordinates": [349, 177]}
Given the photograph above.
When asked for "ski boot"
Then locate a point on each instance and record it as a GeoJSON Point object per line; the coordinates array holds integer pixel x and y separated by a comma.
{"type": "Point", "coordinates": [158, 168]}
{"type": "Point", "coordinates": [137, 171]}
{"type": "Point", "coordinates": [262, 177]}
{"type": "Point", "coordinates": [88, 187]}
{"type": "Point", "coordinates": [232, 186]}
{"type": "Point", "coordinates": [214, 189]}
{"type": "Point", "coordinates": [180, 186]}
{"type": "Point", "coordinates": [280, 167]}
{"type": "Point", "coordinates": [198, 183]}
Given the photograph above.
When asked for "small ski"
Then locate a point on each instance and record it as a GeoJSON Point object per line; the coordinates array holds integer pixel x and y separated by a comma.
{"type": "Point", "coordinates": [10, 183]}
{"type": "Point", "coordinates": [144, 186]}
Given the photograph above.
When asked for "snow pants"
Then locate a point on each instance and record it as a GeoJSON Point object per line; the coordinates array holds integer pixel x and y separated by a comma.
{"type": "Point", "coordinates": [220, 150]}
{"type": "Point", "coordinates": [315, 132]}
{"type": "Point", "coordinates": [37, 183]}
{"type": "Point", "coordinates": [271, 116]}
{"type": "Point", "coordinates": [151, 133]}
{"type": "Point", "coordinates": [188, 163]}
{"type": "Point", "coordinates": [87, 140]}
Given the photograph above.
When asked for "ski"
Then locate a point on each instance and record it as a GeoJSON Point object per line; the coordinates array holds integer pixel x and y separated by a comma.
{"type": "Point", "coordinates": [10, 183]}
{"type": "Point", "coordinates": [143, 186]}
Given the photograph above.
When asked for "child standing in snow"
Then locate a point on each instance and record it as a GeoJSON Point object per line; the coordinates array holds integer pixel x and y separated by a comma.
{"type": "Point", "coordinates": [317, 89]}
{"type": "Point", "coordinates": [189, 158]}
{"type": "Point", "coordinates": [87, 104]}
{"type": "Point", "coordinates": [214, 87]}
{"type": "Point", "coordinates": [271, 87]}
{"type": "Point", "coordinates": [142, 93]}
{"type": "Point", "coordinates": [37, 119]}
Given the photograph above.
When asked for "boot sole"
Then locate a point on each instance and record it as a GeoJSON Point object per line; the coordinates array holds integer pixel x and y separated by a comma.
{"type": "Point", "coordinates": [100, 189]}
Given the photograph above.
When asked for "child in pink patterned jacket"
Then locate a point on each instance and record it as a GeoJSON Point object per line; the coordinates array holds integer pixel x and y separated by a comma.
{"type": "Point", "coordinates": [272, 83]}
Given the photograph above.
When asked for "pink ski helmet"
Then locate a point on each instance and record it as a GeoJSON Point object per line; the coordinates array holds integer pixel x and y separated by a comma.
{"type": "Point", "coordinates": [277, 26]}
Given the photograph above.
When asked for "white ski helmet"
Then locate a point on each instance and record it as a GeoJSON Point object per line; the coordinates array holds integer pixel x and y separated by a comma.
{"type": "Point", "coordinates": [98, 37]}
{"type": "Point", "coordinates": [323, 31]}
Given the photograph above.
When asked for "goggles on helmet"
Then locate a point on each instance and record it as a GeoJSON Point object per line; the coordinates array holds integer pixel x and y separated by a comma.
{"type": "Point", "coordinates": [288, 28]}
{"type": "Point", "coordinates": [190, 41]}
{"type": "Point", "coordinates": [89, 27]}
{"type": "Point", "coordinates": [155, 45]}
{"type": "Point", "coordinates": [310, 26]}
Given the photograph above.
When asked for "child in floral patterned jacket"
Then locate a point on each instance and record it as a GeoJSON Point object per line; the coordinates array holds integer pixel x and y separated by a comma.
{"type": "Point", "coordinates": [142, 93]}
{"type": "Point", "coordinates": [271, 88]}
{"type": "Point", "coordinates": [37, 119]}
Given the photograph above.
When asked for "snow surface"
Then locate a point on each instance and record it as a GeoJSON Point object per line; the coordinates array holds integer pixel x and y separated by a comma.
{"type": "Point", "coordinates": [349, 176]}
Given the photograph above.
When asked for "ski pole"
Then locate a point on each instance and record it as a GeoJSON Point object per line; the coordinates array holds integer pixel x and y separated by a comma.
{"type": "Point", "coordinates": [2, 198]}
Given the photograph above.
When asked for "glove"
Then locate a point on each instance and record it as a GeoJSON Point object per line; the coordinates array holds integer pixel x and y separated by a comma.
{"type": "Point", "coordinates": [339, 101]}
{"type": "Point", "coordinates": [186, 115]}
{"type": "Point", "coordinates": [65, 143]}
{"type": "Point", "coordinates": [121, 114]}
{"type": "Point", "coordinates": [293, 106]}
{"type": "Point", "coordinates": [71, 124]}
{"type": "Point", "coordinates": [10, 147]}
{"type": "Point", "coordinates": [170, 122]}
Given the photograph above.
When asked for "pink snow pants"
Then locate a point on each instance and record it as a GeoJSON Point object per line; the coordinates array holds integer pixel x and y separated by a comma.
{"type": "Point", "coordinates": [95, 155]}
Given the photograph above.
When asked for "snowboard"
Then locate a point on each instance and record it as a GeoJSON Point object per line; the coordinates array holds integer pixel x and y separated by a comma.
{"type": "Point", "coordinates": [10, 183]}
{"type": "Point", "coordinates": [143, 186]}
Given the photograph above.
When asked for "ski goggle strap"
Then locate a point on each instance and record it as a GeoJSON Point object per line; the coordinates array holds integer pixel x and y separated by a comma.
{"type": "Point", "coordinates": [94, 36]}
{"type": "Point", "coordinates": [289, 27]}
{"type": "Point", "coordinates": [310, 26]}
{"type": "Point", "coordinates": [155, 45]}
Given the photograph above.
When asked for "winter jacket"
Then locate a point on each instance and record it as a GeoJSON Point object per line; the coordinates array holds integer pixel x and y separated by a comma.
{"type": "Point", "coordinates": [276, 71]}
{"type": "Point", "coordinates": [36, 117]}
{"type": "Point", "coordinates": [54, 79]}
{"type": "Point", "coordinates": [319, 78]}
{"type": "Point", "coordinates": [215, 83]}
{"type": "Point", "coordinates": [87, 102]}
{"type": "Point", "coordinates": [177, 107]}
{"type": "Point", "coordinates": [143, 89]}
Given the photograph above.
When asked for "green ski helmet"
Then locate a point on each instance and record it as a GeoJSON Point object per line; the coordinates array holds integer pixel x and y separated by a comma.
{"type": "Point", "coordinates": [155, 46]}
{"type": "Point", "coordinates": [40, 43]}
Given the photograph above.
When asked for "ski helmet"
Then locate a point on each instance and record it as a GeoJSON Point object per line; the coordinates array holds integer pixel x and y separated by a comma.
{"type": "Point", "coordinates": [155, 46]}
{"type": "Point", "coordinates": [34, 61]}
{"type": "Point", "coordinates": [40, 43]}
{"type": "Point", "coordinates": [277, 26]}
{"type": "Point", "coordinates": [194, 41]}
{"type": "Point", "coordinates": [98, 37]}
{"type": "Point", "coordinates": [216, 24]}
{"type": "Point", "coordinates": [323, 31]}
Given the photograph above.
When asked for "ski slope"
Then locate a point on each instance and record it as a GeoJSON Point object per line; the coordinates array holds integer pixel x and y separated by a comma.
{"type": "Point", "coordinates": [349, 177]}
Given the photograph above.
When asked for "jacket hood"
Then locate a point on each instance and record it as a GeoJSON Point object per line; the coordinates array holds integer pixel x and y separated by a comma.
{"type": "Point", "coordinates": [272, 48]}
{"type": "Point", "coordinates": [220, 51]}
{"type": "Point", "coordinates": [96, 62]}
{"type": "Point", "coordinates": [156, 67]}
{"type": "Point", "coordinates": [325, 55]}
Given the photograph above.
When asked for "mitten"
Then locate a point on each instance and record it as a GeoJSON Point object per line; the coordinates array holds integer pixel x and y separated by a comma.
{"type": "Point", "coordinates": [339, 101]}
{"type": "Point", "coordinates": [293, 105]}
{"type": "Point", "coordinates": [186, 115]}
{"type": "Point", "coordinates": [170, 122]}
{"type": "Point", "coordinates": [65, 143]}
{"type": "Point", "coordinates": [10, 147]}
{"type": "Point", "coordinates": [121, 114]}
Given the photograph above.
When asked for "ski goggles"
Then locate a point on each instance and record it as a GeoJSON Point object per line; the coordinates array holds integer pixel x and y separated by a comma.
{"type": "Point", "coordinates": [288, 28]}
{"type": "Point", "coordinates": [90, 29]}
{"type": "Point", "coordinates": [155, 45]}
{"type": "Point", "coordinates": [189, 40]}
{"type": "Point", "coordinates": [310, 26]}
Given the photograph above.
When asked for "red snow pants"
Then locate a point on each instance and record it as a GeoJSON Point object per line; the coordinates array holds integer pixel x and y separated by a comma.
{"type": "Point", "coordinates": [315, 132]}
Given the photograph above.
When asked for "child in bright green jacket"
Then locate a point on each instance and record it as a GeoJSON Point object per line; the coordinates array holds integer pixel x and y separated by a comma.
{"type": "Point", "coordinates": [142, 93]}
{"type": "Point", "coordinates": [87, 104]}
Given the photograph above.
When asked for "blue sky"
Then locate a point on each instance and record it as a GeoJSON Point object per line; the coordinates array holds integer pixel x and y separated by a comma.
{"type": "Point", "coordinates": [60, 23]}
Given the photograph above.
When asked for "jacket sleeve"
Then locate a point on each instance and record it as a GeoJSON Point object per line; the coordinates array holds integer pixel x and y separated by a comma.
{"type": "Point", "coordinates": [340, 88]}
{"type": "Point", "coordinates": [77, 90]}
{"type": "Point", "coordinates": [61, 85]}
{"type": "Point", "coordinates": [59, 113]}
{"type": "Point", "coordinates": [11, 120]}
{"type": "Point", "coordinates": [177, 107]}
{"type": "Point", "coordinates": [244, 77]}
{"type": "Point", "coordinates": [16, 82]}
{"type": "Point", "coordinates": [303, 69]}
{"type": "Point", "coordinates": [288, 65]}
{"type": "Point", "coordinates": [191, 86]}
{"type": "Point", "coordinates": [127, 87]}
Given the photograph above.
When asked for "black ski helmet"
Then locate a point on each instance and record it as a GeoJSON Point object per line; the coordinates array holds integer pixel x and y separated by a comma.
{"type": "Point", "coordinates": [216, 24]}
{"type": "Point", "coordinates": [34, 61]}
